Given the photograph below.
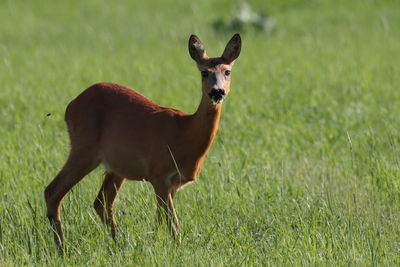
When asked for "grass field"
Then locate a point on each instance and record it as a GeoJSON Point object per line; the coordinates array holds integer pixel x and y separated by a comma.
{"type": "Point", "coordinates": [305, 167]}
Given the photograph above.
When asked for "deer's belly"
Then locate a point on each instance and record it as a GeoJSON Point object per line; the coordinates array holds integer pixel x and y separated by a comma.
{"type": "Point", "coordinates": [130, 169]}
{"type": "Point", "coordinates": [137, 162]}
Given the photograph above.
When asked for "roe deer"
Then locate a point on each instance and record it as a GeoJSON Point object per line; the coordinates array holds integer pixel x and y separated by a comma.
{"type": "Point", "coordinates": [137, 139]}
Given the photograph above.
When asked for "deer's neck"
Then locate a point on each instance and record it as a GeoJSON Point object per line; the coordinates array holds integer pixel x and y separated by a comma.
{"type": "Point", "coordinates": [204, 125]}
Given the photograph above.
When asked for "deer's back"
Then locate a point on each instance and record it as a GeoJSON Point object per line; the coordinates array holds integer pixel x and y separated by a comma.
{"type": "Point", "coordinates": [129, 131]}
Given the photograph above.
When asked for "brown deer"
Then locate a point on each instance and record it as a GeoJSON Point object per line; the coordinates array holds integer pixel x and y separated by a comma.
{"type": "Point", "coordinates": [137, 139]}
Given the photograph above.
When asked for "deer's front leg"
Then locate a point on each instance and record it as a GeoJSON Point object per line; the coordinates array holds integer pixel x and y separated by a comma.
{"type": "Point", "coordinates": [166, 208]}
{"type": "Point", "coordinates": [173, 211]}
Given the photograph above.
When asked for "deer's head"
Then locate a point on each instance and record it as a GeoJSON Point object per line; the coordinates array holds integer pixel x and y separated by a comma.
{"type": "Point", "coordinates": [215, 72]}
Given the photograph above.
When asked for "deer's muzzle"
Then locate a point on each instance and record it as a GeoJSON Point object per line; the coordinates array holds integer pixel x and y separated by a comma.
{"type": "Point", "coordinates": [217, 96]}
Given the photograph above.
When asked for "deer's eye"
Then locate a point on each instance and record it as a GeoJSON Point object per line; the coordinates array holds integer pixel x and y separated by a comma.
{"type": "Point", "coordinates": [204, 74]}
{"type": "Point", "coordinates": [227, 72]}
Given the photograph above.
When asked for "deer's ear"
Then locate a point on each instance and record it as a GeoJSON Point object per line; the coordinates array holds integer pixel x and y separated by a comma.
{"type": "Point", "coordinates": [196, 49]}
{"type": "Point", "coordinates": [232, 49]}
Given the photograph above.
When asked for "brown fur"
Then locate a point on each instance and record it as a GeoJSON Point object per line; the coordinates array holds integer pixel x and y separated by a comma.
{"type": "Point", "coordinates": [137, 139]}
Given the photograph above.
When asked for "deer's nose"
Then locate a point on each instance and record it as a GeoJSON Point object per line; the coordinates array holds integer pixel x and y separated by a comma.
{"type": "Point", "coordinates": [217, 95]}
{"type": "Point", "coordinates": [218, 92]}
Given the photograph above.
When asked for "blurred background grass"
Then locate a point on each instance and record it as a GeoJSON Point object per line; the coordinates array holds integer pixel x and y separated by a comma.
{"type": "Point", "coordinates": [305, 167]}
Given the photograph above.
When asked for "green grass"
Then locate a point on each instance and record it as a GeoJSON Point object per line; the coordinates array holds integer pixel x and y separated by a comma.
{"type": "Point", "coordinates": [304, 170]}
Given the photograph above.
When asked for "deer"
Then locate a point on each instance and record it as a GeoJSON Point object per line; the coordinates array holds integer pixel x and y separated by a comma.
{"type": "Point", "coordinates": [136, 139]}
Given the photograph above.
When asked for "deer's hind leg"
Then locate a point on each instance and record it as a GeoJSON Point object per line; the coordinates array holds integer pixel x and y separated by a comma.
{"type": "Point", "coordinates": [79, 163]}
{"type": "Point", "coordinates": [104, 201]}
